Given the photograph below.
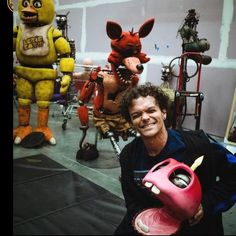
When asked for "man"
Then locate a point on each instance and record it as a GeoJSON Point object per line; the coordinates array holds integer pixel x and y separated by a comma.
{"type": "Point", "coordinates": [145, 107]}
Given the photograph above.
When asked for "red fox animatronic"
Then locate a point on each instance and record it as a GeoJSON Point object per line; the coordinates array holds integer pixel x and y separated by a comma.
{"type": "Point", "coordinates": [108, 86]}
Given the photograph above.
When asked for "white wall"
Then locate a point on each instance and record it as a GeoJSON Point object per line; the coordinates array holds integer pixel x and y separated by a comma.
{"type": "Point", "coordinates": [87, 26]}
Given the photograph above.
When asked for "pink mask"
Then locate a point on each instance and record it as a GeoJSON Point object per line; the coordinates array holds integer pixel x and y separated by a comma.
{"type": "Point", "coordinates": [178, 188]}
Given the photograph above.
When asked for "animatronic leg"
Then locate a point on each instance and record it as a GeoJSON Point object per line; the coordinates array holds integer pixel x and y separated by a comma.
{"type": "Point", "coordinates": [24, 91]}
{"type": "Point", "coordinates": [24, 128]}
{"type": "Point", "coordinates": [115, 145]}
{"type": "Point", "coordinates": [106, 124]}
{"type": "Point", "coordinates": [44, 92]}
{"type": "Point", "coordinates": [42, 120]}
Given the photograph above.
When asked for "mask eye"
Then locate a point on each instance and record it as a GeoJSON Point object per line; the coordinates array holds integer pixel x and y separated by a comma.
{"type": "Point", "coordinates": [63, 18]}
{"type": "Point", "coordinates": [161, 166]}
{"type": "Point", "coordinates": [25, 3]}
{"type": "Point", "coordinates": [181, 179]}
{"type": "Point", "coordinates": [37, 4]}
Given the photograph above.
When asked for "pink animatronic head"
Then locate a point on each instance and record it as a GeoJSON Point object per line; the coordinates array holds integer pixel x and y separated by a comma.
{"type": "Point", "coordinates": [178, 188]}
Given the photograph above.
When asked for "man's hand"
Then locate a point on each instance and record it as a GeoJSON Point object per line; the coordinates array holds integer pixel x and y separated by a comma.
{"type": "Point", "coordinates": [197, 217]}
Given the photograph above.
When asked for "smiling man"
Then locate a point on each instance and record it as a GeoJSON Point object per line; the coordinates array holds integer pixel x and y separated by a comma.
{"type": "Point", "coordinates": [145, 107]}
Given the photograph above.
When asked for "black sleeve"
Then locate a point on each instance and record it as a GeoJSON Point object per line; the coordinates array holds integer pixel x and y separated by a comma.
{"type": "Point", "coordinates": [136, 198]}
{"type": "Point", "coordinates": [217, 173]}
{"type": "Point", "coordinates": [127, 184]}
{"type": "Point", "coordinates": [220, 184]}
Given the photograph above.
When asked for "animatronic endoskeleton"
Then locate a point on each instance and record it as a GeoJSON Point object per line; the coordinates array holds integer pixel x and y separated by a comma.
{"type": "Point", "coordinates": [189, 35]}
{"type": "Point", "coordinates": [166, 76]}
{"type": "Point", "coordinates": [191, 43]}
{"type": "Point", "coordinates": [62, 25]}
{"type": "Point", "coordinates": [37, 44]}
{"type": "Point", "coordinates": [192, 50]}
{"type": "Point", "coordinates": [108, 86]}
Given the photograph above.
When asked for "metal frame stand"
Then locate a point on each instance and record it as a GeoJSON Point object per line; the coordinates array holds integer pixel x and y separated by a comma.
{"type": "Point", "coordinates": [198, 106]}
{"type": "Point", "coordinates": [181, 93]}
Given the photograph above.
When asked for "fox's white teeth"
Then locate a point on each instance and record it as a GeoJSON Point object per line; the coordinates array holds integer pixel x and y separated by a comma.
{"type": "Point", "coordinates": [155, 190]}
{"type": "Point", "coordinates": [148, 184]}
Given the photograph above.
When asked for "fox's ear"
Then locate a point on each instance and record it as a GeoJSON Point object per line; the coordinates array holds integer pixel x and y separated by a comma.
{"type": "Point", "coordinates": [114, 30]}
{"type": "Point", "coordinates": [146, 28]}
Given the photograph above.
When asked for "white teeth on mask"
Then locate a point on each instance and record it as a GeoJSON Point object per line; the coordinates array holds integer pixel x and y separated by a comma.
{"type": "Point", "coordinates": [148, 184]}
{"type": "Point", "coordinates": [142, 226]}
{"type": "Point", "coordinates": [155, 190]}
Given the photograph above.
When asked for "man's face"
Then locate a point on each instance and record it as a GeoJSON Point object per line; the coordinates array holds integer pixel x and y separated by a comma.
{"type": "Point", "coordinates": [146, 116]}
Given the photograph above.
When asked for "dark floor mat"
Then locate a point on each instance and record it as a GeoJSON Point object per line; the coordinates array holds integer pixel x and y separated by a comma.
{"type": "Point", "coordinates": [50, 199]}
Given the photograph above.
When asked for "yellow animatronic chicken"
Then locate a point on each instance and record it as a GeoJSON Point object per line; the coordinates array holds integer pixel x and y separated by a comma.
{"type": "Point", "coordinates": [38, 45]}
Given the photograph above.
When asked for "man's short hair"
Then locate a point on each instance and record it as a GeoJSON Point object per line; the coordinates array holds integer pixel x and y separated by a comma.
{"type": "Point", "coordinates": [143, 90]}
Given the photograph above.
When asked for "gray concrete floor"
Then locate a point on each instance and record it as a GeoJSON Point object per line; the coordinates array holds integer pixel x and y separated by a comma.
{"type": "Point", "coordinates": [64, 152]}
